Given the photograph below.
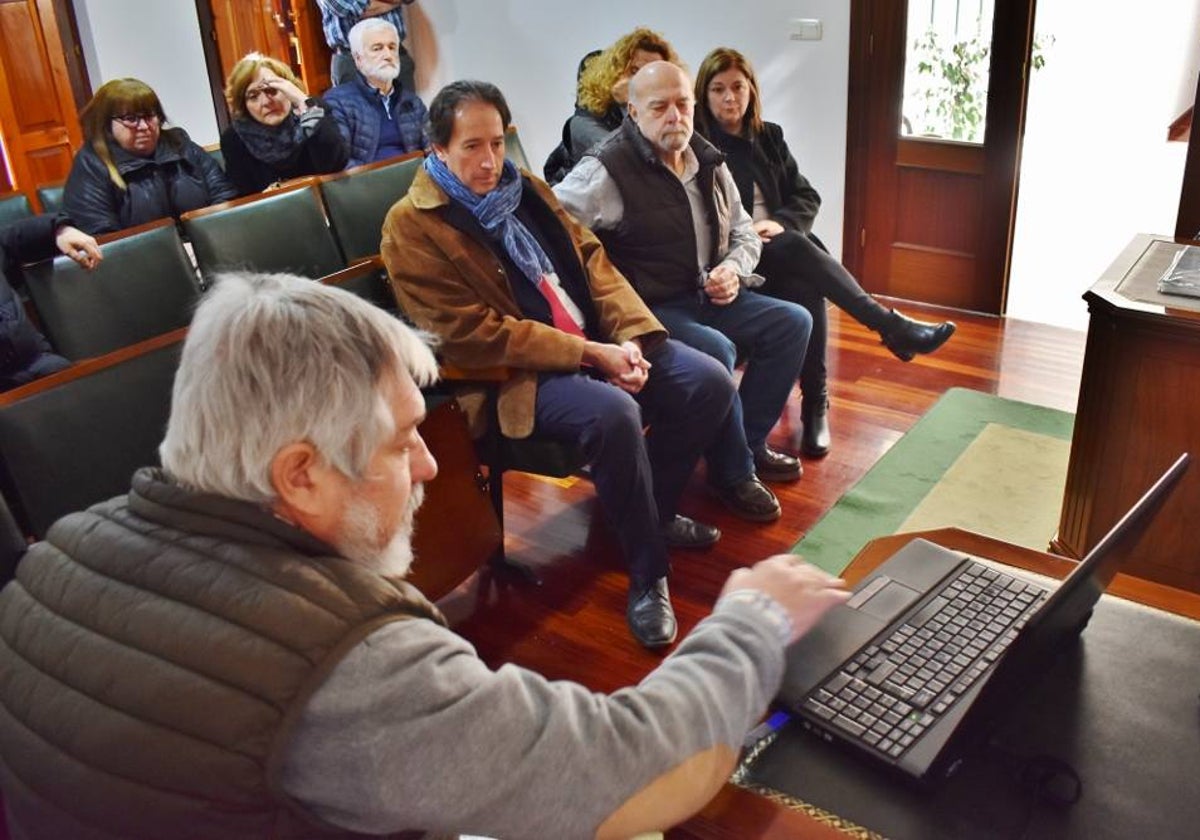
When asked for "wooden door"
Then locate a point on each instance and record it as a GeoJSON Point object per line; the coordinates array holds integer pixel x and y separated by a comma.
{"type": "Point", "coordinates": [37, 110]}
{"type": "Point", "coordinates": [932, 219]}
{"type": "Point", "coordinates": [311, 50]}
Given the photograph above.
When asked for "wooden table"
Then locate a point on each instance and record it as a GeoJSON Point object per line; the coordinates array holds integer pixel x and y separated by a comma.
{"type": "Point", "coordinates": [742, 814]}
{"type": "Point", "coordinates": [1139, 407]}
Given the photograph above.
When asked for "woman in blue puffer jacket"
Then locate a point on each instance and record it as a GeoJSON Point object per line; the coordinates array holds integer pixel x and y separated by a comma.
{"type": "Point", "coordinates": [133, 169]}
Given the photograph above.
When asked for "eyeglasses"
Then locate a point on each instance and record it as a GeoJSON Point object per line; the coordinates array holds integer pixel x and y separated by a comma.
{"type": "Point", "coordinates": [254, 94]}
{"type": "Point", "coordinates": [133, 120]}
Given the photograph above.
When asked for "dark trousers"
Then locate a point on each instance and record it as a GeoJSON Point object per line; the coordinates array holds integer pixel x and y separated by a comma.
{"type": "Point", "coordinates": [771, 334]}
{"type": "Point", "coordinates": [799, 270]}
{"type": "Point", "coordinates": [639, 477]}
{"type": "Point", "coordinates": [343, 69]}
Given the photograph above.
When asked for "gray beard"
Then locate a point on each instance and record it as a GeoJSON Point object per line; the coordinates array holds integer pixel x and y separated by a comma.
{"type": "Point", "coordinates": [382, 76]}
{"type": "Point", "coordinates": [360, 541]}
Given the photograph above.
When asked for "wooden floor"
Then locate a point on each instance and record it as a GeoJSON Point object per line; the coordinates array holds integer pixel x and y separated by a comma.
{"type": "Point", "coordinates": [572, 626]}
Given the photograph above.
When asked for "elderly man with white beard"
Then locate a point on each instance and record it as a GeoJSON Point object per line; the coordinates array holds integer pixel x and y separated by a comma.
{"type": "Point", "coordinates": [231, 649]}
{"type": "Point", "coordinates": [377, 115]}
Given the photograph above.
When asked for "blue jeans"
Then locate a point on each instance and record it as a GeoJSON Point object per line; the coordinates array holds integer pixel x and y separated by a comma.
{"type": "Point", "coordinates": [772, 335]}
{"type": "Point", "coordinates": [639, 477]}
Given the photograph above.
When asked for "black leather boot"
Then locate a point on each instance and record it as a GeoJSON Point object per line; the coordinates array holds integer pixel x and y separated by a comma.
{"type": "Point", "coordinates": [907, 338]}
{"type": "Point", "coordinates": [814, 413]}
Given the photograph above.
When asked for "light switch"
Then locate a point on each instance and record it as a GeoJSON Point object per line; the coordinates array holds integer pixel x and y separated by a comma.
{"type": "Point", "coordinates": [805, 29]}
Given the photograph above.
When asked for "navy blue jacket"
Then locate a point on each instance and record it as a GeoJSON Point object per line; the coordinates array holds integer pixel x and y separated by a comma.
{"type": "Point", "coordinates": [357, 108]}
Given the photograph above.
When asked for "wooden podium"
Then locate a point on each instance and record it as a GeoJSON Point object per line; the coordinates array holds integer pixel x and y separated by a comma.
{"type": "Point", "coordinates": [1139, 407]}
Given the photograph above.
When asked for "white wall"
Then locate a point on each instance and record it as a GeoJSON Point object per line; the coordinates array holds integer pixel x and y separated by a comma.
{"type": "Point", "coordinates": [157, 41]}
{"type": "Point", "coordinates": [530, 49]}
{"type": "Point", "coordinates": [1097, 167]}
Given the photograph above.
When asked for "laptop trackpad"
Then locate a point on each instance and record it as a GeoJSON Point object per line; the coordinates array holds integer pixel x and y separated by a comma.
{"type": "Point", "coordinates": [887, 599]}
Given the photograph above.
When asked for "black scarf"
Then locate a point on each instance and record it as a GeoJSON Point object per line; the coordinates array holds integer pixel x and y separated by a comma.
{"type": "Point", "coordinates": [271, 144]}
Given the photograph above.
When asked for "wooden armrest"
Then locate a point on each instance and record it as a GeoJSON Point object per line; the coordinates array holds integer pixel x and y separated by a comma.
{"type": "Point", "coordinates": [358, 269]}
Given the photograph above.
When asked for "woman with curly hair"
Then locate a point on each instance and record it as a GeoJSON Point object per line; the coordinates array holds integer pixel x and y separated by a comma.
{"type": "Point", "coordinates": [783, 205]}
{"type": "Point", "coordinates": [603, 93]}
{"type": "Point", "coordinates": [133, 167]}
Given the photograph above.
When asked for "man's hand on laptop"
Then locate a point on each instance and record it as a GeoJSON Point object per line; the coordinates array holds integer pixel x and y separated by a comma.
{"type": "Point", "coordinates": [803, 591]}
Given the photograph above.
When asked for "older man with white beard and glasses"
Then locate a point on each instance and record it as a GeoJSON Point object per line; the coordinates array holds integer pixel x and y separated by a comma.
{"type": "Point", "coordinates": [231, 651]}
{"type": "Point", "coordinates": [378, 116]}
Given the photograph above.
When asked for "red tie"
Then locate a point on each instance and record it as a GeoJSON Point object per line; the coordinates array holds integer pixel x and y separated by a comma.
{"type": "Point", "coordinates": [558, 314]}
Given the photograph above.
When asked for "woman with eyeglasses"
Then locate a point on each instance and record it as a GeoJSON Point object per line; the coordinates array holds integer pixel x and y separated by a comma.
{"type": "Point", "coordinates": [783, 205]}
{"type": "Point", "coordinates": [134, 169]}
{"type": "Point", "coordinates": [278, 131]}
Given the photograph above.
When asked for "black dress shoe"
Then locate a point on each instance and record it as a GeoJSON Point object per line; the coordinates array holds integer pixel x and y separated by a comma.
{"type": "Point", "coordinates": [776, 466]}
{"type": "Point", "coordinates": [682, 532]}
{"type": "Point", "coordinates": [650, 617]}
{"type": "Point", "coordinates": [750, 499]}
{"type": "Point", "coordinates": [907, 338]}
{"type": "Point", "coordinates": [814, 439]}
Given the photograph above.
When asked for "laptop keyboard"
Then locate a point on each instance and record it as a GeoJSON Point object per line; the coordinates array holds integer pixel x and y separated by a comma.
{"type": "Point", "coordinates": [902, 683]}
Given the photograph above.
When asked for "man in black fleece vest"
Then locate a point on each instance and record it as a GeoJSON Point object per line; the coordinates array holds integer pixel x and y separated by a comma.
{"type": "Point", "coordinates": [663, 203]}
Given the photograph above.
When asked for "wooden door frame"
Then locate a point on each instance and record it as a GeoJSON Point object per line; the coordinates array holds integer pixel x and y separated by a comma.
{"type": "Point", "coordinates": [212, 63]}
{"type": "Point", "coordinates": [870, 110]}
{"type": "Point", "coordinates": [68, 32]}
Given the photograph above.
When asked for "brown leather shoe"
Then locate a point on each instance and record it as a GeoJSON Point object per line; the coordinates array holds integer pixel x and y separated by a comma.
{"type": "Point", "coordinates": [750, 499]}
{"type": "Point", "coordinates": [776, 466]}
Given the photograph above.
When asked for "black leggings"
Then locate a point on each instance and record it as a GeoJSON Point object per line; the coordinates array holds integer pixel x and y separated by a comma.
{"type": "Point", "coordinates": [798, 269]}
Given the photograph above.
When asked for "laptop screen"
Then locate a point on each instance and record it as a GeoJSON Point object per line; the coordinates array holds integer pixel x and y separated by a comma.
{"type": "Point", "coordinates": [1067, 610]}
{"type": "Point", "coordinates": [1071, 603]}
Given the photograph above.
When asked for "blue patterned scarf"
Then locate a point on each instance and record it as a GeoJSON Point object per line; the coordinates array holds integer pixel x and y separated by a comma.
{"type": "Point", "coordinates": [496, 213]}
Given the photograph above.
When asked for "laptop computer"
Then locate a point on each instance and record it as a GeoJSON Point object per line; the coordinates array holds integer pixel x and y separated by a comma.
{"type": "Point", "coordinates": [934, 646]}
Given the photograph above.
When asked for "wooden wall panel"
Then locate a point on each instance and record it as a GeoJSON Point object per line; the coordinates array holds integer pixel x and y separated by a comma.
{"type": "Point", "coordinates": [938, 210]}
{"type": "Point", "coordinates": [920, 273]}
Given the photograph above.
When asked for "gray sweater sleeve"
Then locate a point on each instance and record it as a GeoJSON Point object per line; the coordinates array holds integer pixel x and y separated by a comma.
{"type": "Point", "coordinates": [412, 730]}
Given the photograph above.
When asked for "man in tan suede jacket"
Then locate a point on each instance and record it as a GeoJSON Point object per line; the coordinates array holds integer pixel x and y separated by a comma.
{"type": "Point", "coordinates": [485, 258]}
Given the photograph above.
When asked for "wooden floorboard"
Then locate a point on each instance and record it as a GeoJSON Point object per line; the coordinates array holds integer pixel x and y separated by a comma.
{"type": "Point", "coordinates": [572, 626]}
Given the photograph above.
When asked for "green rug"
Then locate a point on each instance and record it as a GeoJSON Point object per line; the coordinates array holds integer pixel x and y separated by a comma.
{"type": "Point", "coordinates": [974, 461]}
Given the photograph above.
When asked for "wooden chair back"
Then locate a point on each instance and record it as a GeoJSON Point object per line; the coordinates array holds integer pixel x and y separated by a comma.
{"type": "Point", "coordinates": [359, 199]}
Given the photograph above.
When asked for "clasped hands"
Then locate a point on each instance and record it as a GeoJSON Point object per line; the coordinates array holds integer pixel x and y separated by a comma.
{"type": "Point", "coordinates": [622, 365]}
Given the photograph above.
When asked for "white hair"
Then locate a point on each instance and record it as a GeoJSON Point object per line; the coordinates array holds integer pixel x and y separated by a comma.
{"type": "Point", "coordinates": [359, 31]}
{"type": "Point", "coordinates": [273, 359]}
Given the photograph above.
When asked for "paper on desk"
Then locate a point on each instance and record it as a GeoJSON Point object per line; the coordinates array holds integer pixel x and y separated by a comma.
{"type": "Point", "coordinates": [1183, 275]}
